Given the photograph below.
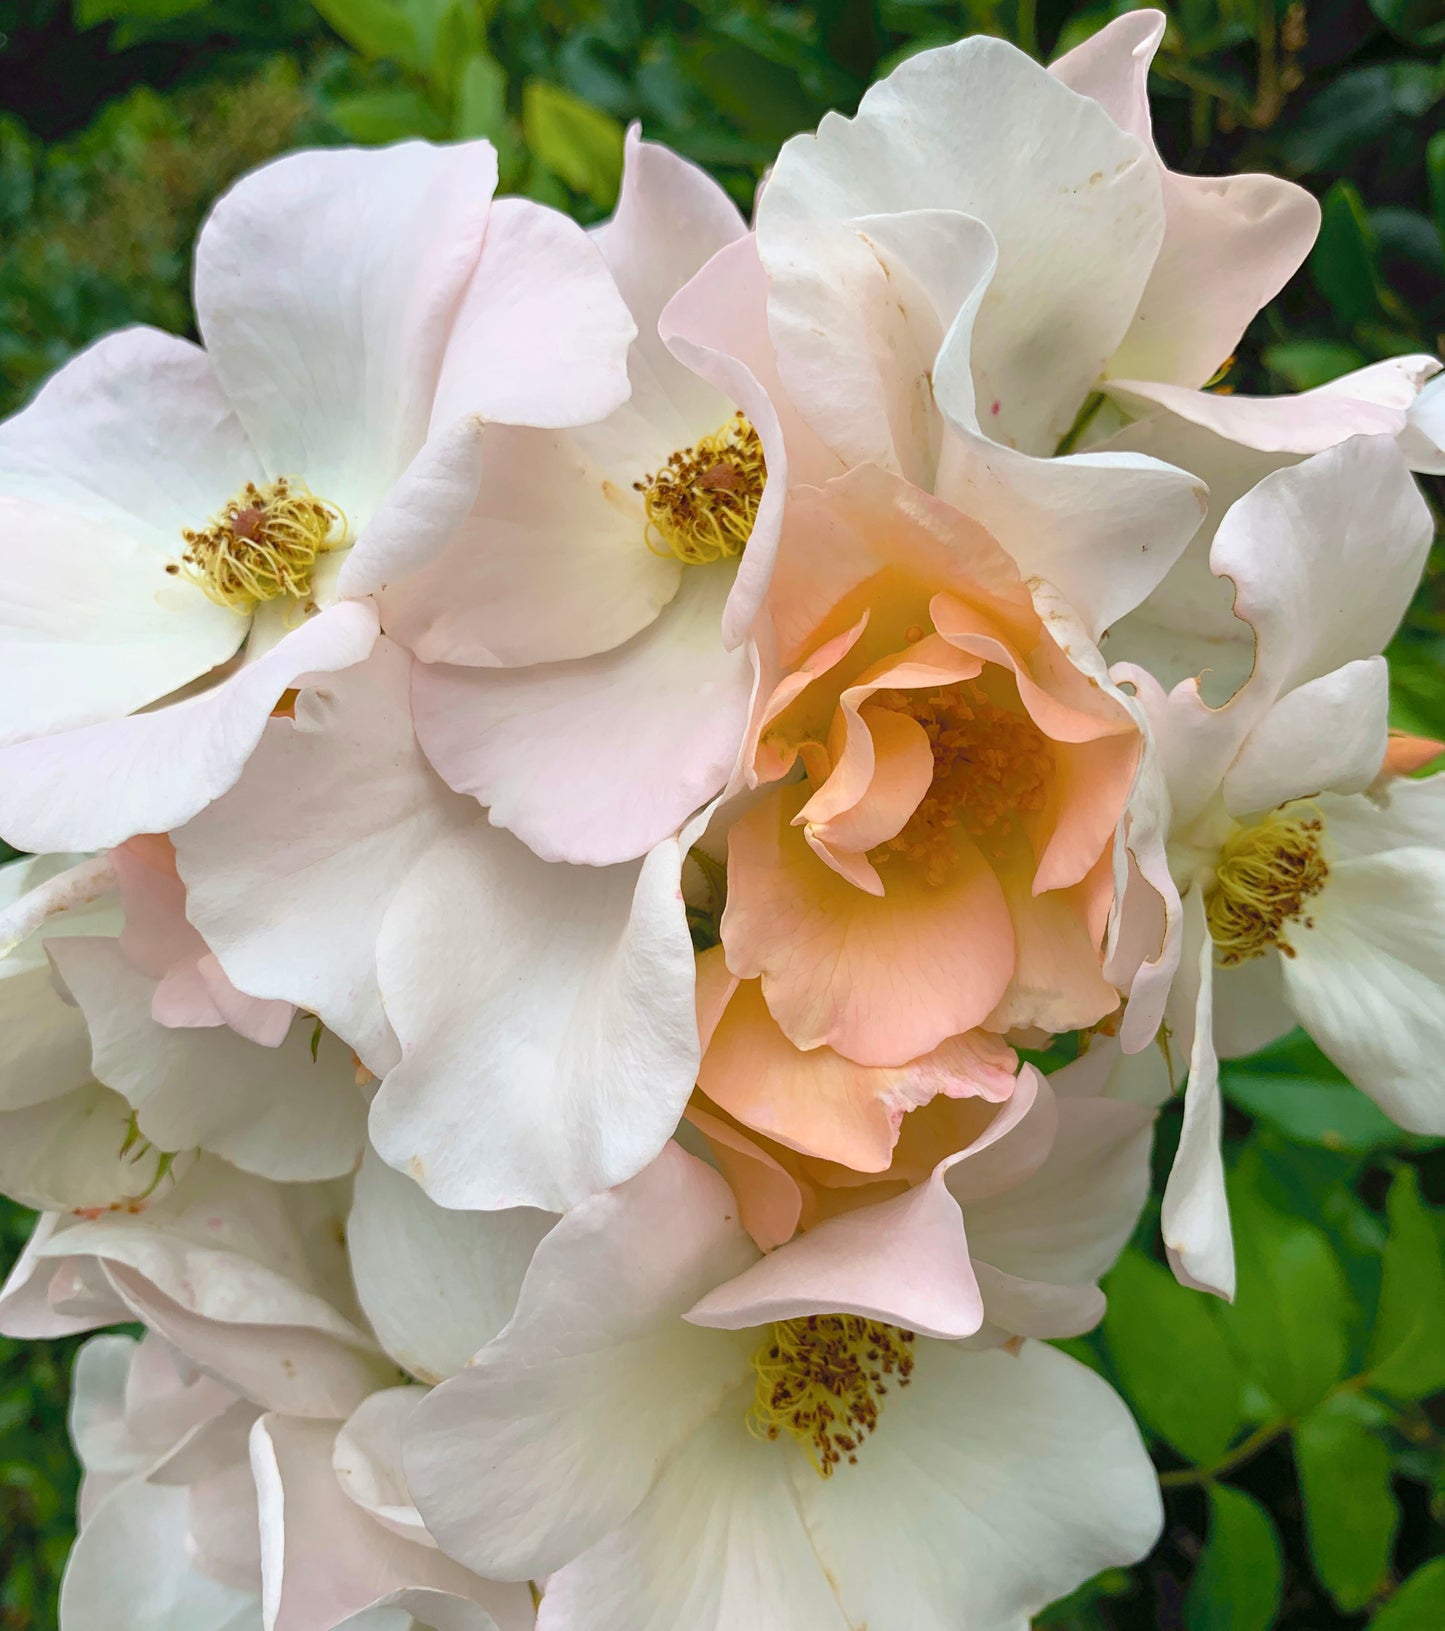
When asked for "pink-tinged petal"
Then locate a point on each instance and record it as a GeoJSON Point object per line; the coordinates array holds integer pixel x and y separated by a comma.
{"type": "Point", "coordinates": [96, 621]}
{"type": "Point", "coordinates": [563, 1068]}
{"type": "Point", "coordinates": [895, 757]}
{"type": "Point", "coordinates": [327, 284]}
{"type": "Point", "coordinates": [671, 219]}
{"type": "Point", "coordinates": [597, 760]}
{"type": "Point", "coordinates": [289, 875]}
{"type": "Point", "coordinates": [541, 334]}
{"type": "Point", "coordinates": [1036, 1477]}
{"type": "Point", "coordinates": [423, 514]}
{"type": "Point", "coordinates": [769, 1199]}
{"type": "Point", "coordinates": [1197, 1234]}
{"type": "Point", "coordinates": [560, 1427]}
{"type": "Point", "coordinates": [258, 1019]}
{"type": "Point", "coordinates": [1057, 979]}
{"type": "Point", "coordinates": [1230, 245]}
{"type": "Point", "coordinates": [38, 1301]}
{"type": "Point", "coordinates": [820, 1103]}
{"type": "Point", "coordinates": [283, 1114]}
{"type": "Point", "coordinates": [914, 145]}
{"type": "Point", "coordinates": [718, 1545]}
{"type": "Point", "coordinates": [904, 1260]}
{"type": "Point", "coordinates": [1405, 753]}
{"type": "Point", "coordinates": [323, 1558]}
{"type": "Point", "coordinates": [436, 1285]}
{"type": "Point", "coordinates": [717, 326]}
{"type": "Point", "coordinates": [782, 732]}
{"type": "Point", "coordinates": [882, 980]}
{"type": "Point", "coordinates": [552, 561]}
{"type": "Point", "coordinates": [540, 338]}
{"type": "Point", "coordinates": [159, 769]}
{"type": "Point", "coordinates": [1373, 401]}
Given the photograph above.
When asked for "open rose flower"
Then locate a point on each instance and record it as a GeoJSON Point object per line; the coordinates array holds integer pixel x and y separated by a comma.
{"type": "Point", "coordinates": [1310, 871]}
{"type": "Point", "coordinates": [946, 860]}
{"type": "Point", "coordinates": [195, 526]}
{"type": "Point", "coordinates": [660, 1473]}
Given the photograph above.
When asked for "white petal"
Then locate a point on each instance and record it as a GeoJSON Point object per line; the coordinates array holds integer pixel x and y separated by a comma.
{"type": "Point", "coordinates": [1197, 1234]}
{"type": "Point", "coordinates": [1327, 735]}
{"type": "Point", "coordinates": [131, 442]}
{"type": "Point", "coordinates": [719, 1545]}
{"type": "Point", "coordinates": [326, 284]}
{"type": "Point", "coordinates": [1324, 558]}
{"type": "Point", "coordinates": [1102, 528]}
{"type": "Point", "coordinates": [130, 1566]}
{"type": "Point", "coordinates": [598, 760]}
{"type": "Point", "coordinates": [1366, 979]}
{"type": "Point", "coordinates": [1035, 1478]}
{"type": "Point", "coordinates": [277, 1112]}
{"type": "Point", "coordinates": [247, 1279]}
{"type": "Point", "coordinates": [158, 769]}
{"type": "Point", "coordinates": [289, 875]}
{"type": "Point", "coordinates": [71, 1153]}
{"type": "Point", "coordinates": [558, 1430]}
{"type": "Point", "coordinates": [436, 1284]}
{"type": "Point", "coordinates": [1089, 191]}
{"type": "Point", "coordinates": [557, 1069]}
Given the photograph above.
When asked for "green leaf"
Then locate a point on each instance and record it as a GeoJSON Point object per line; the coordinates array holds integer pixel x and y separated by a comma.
{"type": "Point", "coordinates": [1240, 1579]}
{"type": "Point", "coordinates": [376, 28]}
{"type": "Point", "coordinates": [386, 115]}
{"type": "Point", "coordinates": [1435, 167]}
{"type": "Point", "coordinates": [1151, 1322]}
{"type": "Point", "coordinates": [1407, 1346]}
{"type": "Point", "coordinates": [1417, 22]}
{"type": "Point", "coordinates": [1313, 1110]}
{"type": "Point", "coordinates": [90, 12]}
{"type": "Point", "coordinates": [1292, 1309]}
{"type": "Point", "coordinates": [481, 99]}
{"type": "Point", "coordinates": [1304, 364]}
{"type": "Point", "coordinates": [1418, 1605]}
{"type": "Point", "coordinates": [1343, 261]}
{"type": "Point", "coordinates": [1358, 107]}
{"type": "Point", "coordinates": [580, 143]}
{"type": "Point", "coordinates": [1351, 1514]}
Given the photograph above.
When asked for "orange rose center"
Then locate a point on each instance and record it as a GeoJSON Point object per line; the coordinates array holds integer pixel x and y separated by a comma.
{"type": "Point", "coordinates": [991, 765]}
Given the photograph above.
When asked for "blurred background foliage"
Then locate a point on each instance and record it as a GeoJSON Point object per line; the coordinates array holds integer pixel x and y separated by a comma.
{"type": "Point", "coordinates": [1301, 1433]}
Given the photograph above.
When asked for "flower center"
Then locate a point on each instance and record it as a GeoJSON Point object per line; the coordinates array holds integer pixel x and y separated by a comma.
{"type": "Point", "coordinates": [821, 1378]}
{"type": "Point", "coordinates": [702, 504]}
{"type": "Point", "coordinates": [1264, 878]}
{"type": "Point", "coordinates": [991, 764]}
{"type": "Point", "coordinates": [263, 545]}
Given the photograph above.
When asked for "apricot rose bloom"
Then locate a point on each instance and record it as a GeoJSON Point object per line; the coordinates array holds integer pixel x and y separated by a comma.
{"type": "Point", "coordinates": [946, 860]}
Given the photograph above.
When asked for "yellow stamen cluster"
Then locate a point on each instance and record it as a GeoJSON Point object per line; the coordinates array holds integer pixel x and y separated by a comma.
{"type": "Point", "coordinates": [702, 504]}
{"type": "Point", "coordinates": [263, 545]}
{"type": "Point", "coordinates": [991, 764]}
{"type": "Point", "coordinates": [1265, 876]}
{"type": "Point", "coordinates": [821, 1379]}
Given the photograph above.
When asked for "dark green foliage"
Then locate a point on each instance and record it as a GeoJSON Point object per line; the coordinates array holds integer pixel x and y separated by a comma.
{"type": "Point", "coordinates": [1301, 1433]}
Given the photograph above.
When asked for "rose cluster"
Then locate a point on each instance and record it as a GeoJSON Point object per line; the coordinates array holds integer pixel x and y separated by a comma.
{"type": "Point", "coordinates": [624, 832]}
